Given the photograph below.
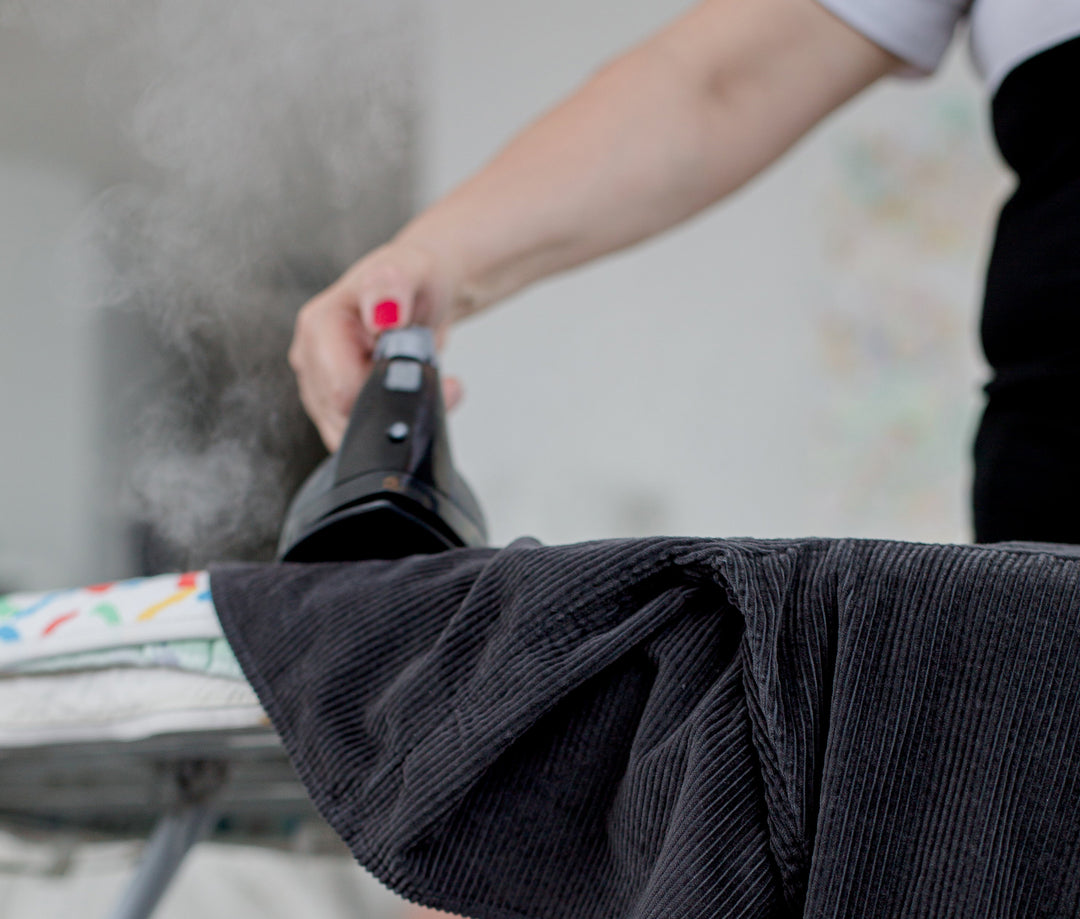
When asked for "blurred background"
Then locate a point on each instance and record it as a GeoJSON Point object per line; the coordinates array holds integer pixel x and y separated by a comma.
{"type": "Point", "coordinates": [178, 176]}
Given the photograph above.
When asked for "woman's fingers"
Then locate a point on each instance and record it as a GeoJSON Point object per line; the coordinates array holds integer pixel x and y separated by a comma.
{"type": "Point", "coordinates": [331, 355]}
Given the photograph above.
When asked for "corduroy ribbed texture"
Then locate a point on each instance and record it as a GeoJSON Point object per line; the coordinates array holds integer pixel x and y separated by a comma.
{"type": "Point", "coordinates": [686, 728]}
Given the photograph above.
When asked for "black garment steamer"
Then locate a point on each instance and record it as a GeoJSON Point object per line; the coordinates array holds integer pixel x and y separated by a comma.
{"type": "Point", "coordinates": [391, 489]}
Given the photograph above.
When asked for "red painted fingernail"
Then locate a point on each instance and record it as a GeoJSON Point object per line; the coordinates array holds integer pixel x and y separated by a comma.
{"type": "Point", "coordinates": [387, 314]}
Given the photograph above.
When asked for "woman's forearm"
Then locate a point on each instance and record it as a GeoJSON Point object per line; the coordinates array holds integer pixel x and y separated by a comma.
{"type": "Point", "coordinates": [657, 135]}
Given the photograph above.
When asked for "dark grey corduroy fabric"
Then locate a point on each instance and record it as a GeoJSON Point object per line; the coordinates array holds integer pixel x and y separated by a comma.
{"type": "Point", "coordinates": [685, 727]}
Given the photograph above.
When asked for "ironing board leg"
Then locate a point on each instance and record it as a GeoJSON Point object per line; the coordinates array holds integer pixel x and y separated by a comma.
{"type": "Point", "coordinates": [173, 836]}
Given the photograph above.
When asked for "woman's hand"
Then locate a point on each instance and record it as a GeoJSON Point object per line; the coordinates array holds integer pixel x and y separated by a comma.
{"type": "Point", "coordinates": [397, 285]}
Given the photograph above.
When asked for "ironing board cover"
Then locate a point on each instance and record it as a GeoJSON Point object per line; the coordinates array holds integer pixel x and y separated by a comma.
{"type": "Point", "coordinates": [118, 662]}
{"type": "Point", "coordinates": [34, 626]}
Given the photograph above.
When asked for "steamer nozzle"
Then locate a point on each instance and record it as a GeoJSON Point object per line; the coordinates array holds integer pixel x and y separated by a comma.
{"type": "Point", "coordinates": [391, 489]}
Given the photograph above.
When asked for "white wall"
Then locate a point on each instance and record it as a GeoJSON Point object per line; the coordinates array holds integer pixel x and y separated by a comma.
{"type": "Point", "coordinates": [172, 173]}
{"type": "Point", "coordinates": [799, 361]}
{"type": "Point", "coordinates": [53, 158]}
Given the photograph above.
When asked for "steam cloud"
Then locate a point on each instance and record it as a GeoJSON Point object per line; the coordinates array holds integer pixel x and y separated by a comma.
{"type": "Point", "coordinates": [272, 139]}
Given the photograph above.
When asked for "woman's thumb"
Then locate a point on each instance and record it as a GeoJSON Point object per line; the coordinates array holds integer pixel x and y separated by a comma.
{"type": "Point", "coordinates": [385, 314]}
{"type": "Point", "coordinates": [387, 305]}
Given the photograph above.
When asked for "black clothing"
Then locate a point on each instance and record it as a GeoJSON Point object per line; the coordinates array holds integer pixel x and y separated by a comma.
{"type": "Point", "coordinates": [1027, 454]}
{"type": "Point", "coordinates": [686, 728]}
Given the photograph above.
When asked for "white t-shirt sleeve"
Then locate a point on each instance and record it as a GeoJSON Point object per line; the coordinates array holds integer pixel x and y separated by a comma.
{"type": "Point", "coordinates": [916, 31]}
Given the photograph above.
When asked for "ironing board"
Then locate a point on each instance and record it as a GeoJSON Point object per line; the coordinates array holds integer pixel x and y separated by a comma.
{"type": "Point", "coordinates": [122, 712]}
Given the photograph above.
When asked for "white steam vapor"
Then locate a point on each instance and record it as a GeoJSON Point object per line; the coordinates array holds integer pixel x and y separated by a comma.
{"type": "Point", "coordinates": [275, 138]}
